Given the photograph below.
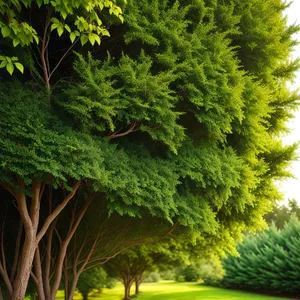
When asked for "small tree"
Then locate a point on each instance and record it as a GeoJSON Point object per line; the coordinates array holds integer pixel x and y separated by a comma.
{"type": "Point", "coordinates": [95, 278]}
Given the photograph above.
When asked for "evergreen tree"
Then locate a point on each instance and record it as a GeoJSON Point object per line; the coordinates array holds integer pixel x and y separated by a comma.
{"type": "Point", "coordinates": [267, 262]}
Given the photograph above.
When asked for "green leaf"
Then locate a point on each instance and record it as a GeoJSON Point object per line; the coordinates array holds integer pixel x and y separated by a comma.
{"type": "Point", "coordinates": [20, 67]}
{"type": "Point", "coordinates": [92, 39]}
{"type": "Point", "coordinates": [67, 27]}
{"type": "Point", "coordinates": [6, 31]}
{"type": "Point", "coordinates": [60, 30]}
{"type": "Point", "coordinates": [3, 64]}
{"type": "Point", "coordinates": [36, 38]}
{"type": "Point", "coordinates": [86, 25]}
{"type": "Point", "coordinates": [121, 18]}
{"type": "Point", "coordinates": [54, 20]}
{"type": "Point", "coordinates": [97, 38]}
{"type": "Point", "coordinates": [54, 26]}
{"type": "Point", "coordinates": [10, 68]}
{"type": "Point", "coordinates": [16, 42]}
{"type": "Point", "coordinates": [64, 14]}
{"type": "Point", "coordinates": [39, 3]}
{"type": "Point", "coordinates": [72, 37]}
{"type": "Point", "coordinates": [84, 39]}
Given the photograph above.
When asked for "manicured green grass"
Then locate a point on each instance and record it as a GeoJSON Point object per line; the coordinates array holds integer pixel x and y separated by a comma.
{"type": "Point", "coordinates": [180, 291]}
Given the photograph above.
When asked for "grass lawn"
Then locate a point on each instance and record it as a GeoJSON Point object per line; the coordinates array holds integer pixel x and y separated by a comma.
{"type": "Point", "coordinates": [180, 291]}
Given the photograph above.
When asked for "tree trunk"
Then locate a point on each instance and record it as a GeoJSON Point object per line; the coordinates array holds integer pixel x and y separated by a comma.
{"type": "Point", "coordinates": [137, 287]}
{"type": "Point", "coordinates": [138, 280]}
{"type": "Point", "coordinates": [23, 274]}
{"type": "Point", "coordinates": [85, 295]}
{"type": "Point", "coordinates": [30, 221]}
{"type": "Point", "coordinates": [127, 285]}
{"type": "Point", "coordinates": [72, 288]}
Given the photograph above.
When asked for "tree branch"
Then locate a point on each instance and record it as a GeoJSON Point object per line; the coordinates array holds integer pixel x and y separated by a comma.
{"type": "Point", "coordinates": [57, 211]}
{"type": "Point", "coordinates": [117, 135]}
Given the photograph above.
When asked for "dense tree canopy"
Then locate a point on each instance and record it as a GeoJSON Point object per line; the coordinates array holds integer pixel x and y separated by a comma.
{"type": "Point", "coordinates": [176, 115]}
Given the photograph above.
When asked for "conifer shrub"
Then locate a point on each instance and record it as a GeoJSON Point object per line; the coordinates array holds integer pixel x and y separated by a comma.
{"type": "Point", "coordinates": [268, 261]}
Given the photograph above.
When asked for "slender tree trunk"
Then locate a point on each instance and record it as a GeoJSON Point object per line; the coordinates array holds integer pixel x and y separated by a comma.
{"type": "Point", "coordinates": [127, 285]}
{"type": "Point", "coordinates": [138, 280]}
{"type": "Point", "coordinates": [73, 288]}
{"type": "Point", "coordinates": [66, 280]}
{"type": "Point", "coordinates": [23, 274]}
{"type": "Point", "coordinates": [38, 275]}
{"type": "Point", "coordinates": [137, 287]}
{"type": "Point", "coordinates": [85, 295]}
{"type": "Point", "coordinates": [30, 221]}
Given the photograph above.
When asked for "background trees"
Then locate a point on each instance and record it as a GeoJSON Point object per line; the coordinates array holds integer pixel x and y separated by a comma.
{"type": "Point", "coordinates": [282, 214]}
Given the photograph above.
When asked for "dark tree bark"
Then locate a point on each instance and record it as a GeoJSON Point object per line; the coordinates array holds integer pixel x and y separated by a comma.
{"type": "Point", "coordinates": [138, 280]}
{"type": "Point", "coordinates": [85, 295]}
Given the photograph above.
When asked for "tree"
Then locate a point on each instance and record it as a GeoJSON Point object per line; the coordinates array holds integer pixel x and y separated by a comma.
{"type": "Point", "coordinates": [281, 214]}
{"type": "Point", "coordinates": [170, 122]}
{"type": "Point", "coordinates": [131, 266]}
{"type": "Point", "coordinates": [92, 279]}
{"type": "Point", "coordinates": [267, 261]}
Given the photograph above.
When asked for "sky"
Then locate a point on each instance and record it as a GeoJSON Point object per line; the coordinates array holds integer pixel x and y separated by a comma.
{"type": "Point", "coordinates": [291, 187]}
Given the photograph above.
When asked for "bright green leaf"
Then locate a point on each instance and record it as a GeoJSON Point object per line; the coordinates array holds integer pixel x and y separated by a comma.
{"type": "Point", "coordinates": [10, 68]}
{"type": "Point", "coordinates": [84, 39]}
{"type": "Point", "coordinates": [20, 67]}
{"type": "Point", "coordinates": [97, 38]}
{"type": "Point", "coordinates": [16, 42]}
{"type": "Point", "coordinates": [3, 64]}
{"type": "Point", "coordinates": [6, 31]}
{"type": "Point", "coordinates": [91, 39]}
{"type": "Point", "coordinates": [67, 27]}
{"type": "Point", "coordinates": [72, 37]}
{"type": "Point", "coordinates": [60, 30]}
{"type": "Point", "coordinates": [54, 26]}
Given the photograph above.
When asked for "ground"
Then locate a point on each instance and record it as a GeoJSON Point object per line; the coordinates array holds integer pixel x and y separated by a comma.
{"type": "Point", "coordinates": [179, 291]}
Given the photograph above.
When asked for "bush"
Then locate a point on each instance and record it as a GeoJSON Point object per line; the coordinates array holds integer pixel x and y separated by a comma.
{"type": "Point", "coordinates": [152, 277]}
{"type": "Point", "coordinates": [211, 271]}
{"type": "Point", "coordinates": [94, 278]}
{"type": "Point", "coordinates": [180, 278]}
{"type": "Point", "coordinates": [168, 275]}
{"type": "Point", "coordinates": [268, 261]}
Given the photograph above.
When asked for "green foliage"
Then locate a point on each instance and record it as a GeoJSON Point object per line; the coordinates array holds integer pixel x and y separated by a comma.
{"type": "Point", "coordinates": [260, 52]}
{"type": "Point", "coordinates": [152, 277]}
{"type": "Point", "coordinates": [127, 93]}
{"type": "Point", "coordinates": [268, 261]}
{"type": "Point", "coordinates": [34, 143]}
{"type": "Point", "coordinates": [79, 19]}
{"type": "Point", "coordinates": [178, 83]}
{"type": "Point", "coordinates": [94, 278]}
{"type": "Point", "coordinates": [280, 215]}
{"type": "Point", "coordinates": [10, 64]}
{"type": "Point", "coordinates": [180, 119]}
{"type": "Point", "coordinates": [190, 274]}
{"type": "Point", "coordinates": [210, 270]}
